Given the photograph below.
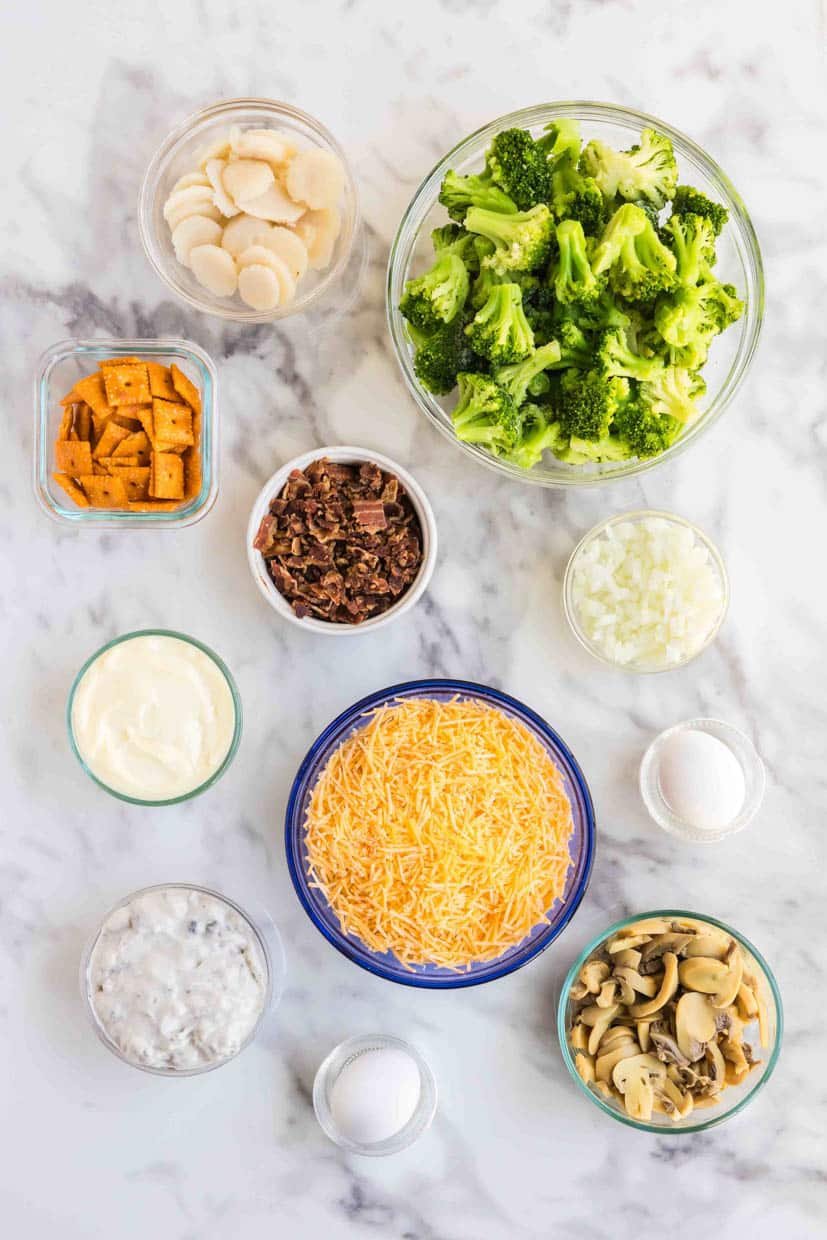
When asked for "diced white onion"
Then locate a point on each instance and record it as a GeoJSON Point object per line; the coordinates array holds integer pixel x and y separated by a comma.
{"type": "Point", "coordinates": [647, 593]}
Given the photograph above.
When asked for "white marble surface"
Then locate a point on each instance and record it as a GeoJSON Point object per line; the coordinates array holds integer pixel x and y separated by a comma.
{"type": "Point", "coordinates": [92, 1149]}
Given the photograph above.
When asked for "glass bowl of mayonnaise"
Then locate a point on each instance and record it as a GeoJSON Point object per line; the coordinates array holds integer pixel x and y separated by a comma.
{"type": "Point", "coordinates": [154, 717]}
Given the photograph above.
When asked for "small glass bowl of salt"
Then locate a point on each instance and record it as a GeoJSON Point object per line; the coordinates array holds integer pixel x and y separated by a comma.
{"type": "Point", "coordinates": [374, 1095]}
{"type": "Point", "coordinates": [645, 591]}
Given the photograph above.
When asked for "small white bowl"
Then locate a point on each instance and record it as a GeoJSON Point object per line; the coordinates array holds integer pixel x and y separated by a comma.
{"type": "Point", "coordinates": [344, 455]}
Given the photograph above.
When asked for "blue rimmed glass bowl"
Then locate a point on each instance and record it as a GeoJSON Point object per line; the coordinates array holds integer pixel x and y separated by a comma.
{"type": "Point", "coordinates": [435, 977]}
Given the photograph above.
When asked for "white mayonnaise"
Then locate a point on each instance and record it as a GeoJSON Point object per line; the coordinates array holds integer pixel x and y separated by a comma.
{"type": "Point", "coordinates": [177, 979]}
{"type": "Point", "coordinates": [153, 717]}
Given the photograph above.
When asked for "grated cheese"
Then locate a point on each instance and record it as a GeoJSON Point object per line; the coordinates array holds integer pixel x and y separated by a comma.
{"type": "Point", "coordinates": [439, 832]}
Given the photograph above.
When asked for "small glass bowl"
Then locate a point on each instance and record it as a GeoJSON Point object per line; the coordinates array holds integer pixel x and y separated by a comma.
{"type": "Point", "coordinates": [59, 369]}
{"type": "Point", "coordinates": [328, 1073]}
{"type": "Point", "coordinates": [177, 156]}
{"type": "Point", "coordinates": [570, 607]}
{"type": "Point", "coordinates": [739, 261]}
{"type": "Point", "coordinates": [349, 456]}
{"type": "Point", "coordinates": [735, 1097]}
{"type": "Point", "coordinates": [740, 746]}
{"type": "Point", "coordinates": [222, 667]}
{"type": "Point", "coordinates": [386, 965]}
{"type": "Point", "coordinates": [267, 939]}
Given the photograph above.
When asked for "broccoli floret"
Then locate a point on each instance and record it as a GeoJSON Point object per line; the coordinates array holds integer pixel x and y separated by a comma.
{"type": "Point", "coordinates": [437, 297]}
{"type": "Point", "coordinates": [673, 393]}
{"type": "Point", "coordinates": [639, 264]}
{"type": "Point", "coordinates": [575, 348]}
{"type": "Point", "coordinates": [499, 330]}
{"type": "Point", "coordinates": [588, 451]}
{"type": "Point", "coordinates": [458, 194]}
{"type": "Point", "coordinates": [643, 432]}
{"type": "Point", "coordinates": [690, 201]}
{"type": "Point", "coordinates": [572, 276]}
{"type": "Point", "coordinates": [520, 168]}
{"type": "Point", "coordinates": [577, 197]}
{"type": "Point", "coordinates": [647, 170]}
{"type": "Point", "coordinates": [451, 239]}
{"type": "Point", "coordinates": [616, 357]}
{"type": "Point", "coordinates": [604, 312]}
{"type": "Point", "coordinates": [561, 140]}
{"type": "Point", "coordinates": [522, 242]}
{"type": "Point", "coordinates": [589, 401]}
{"type": "Point", "coordinates": [485, 414]}
{"type": "Point", "coordinates": [515, 379]}
{"type": "Point", "coordinates": [540, 433]}
{"type": "Point", "coordinates": [689, 318]}
{"type": "Point", "coordinates": [692, 240]}
{"type": "Point", "coordinates": [442, 355]}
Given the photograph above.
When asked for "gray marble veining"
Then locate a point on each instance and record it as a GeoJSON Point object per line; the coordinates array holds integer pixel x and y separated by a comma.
{"type": "Point", "coordinates": [88, 91]}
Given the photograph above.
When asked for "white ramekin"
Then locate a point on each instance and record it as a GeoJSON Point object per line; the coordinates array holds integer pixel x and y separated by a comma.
{"type": "Point", "coordinates": [343, 455]}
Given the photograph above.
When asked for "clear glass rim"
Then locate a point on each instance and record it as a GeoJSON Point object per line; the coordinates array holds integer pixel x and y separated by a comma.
{"type": "Point", "coordinates": [97, 1025]}
{"type": "Point", "coordinates": [588, 110]}
{"type": "Point", "coordinates": [639, 514]}
{"type": "Point", "coordinates": [361, 955]}
{"type": "Point", "coordinates": [149, 188]}
{"type": "Point", "coordinates": [419, 1122]}
{"type": "Point", "coordinates": [115, 518]}
{"type": "Point", "coordinates": [661, 1129]}
{"type": "Point", "coordinates": [237, 711]}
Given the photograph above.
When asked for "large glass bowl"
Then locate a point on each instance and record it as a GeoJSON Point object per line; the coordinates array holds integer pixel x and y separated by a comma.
{"type": "Point", "coordinates": [434, 977]}
{"type": "Point", "coordinates": [739, 262]}
{"type": "Point", "coordinates": [735, 1097]}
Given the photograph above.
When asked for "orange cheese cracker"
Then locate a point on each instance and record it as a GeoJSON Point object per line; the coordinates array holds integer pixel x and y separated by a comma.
{"type": "Point", "coordinates": [172, 423]}
{"type": "Point", "coordinates": [185, 388]}
{"type": "Point", "coordinates": [126, 385]}
{"type": "Point", "coordinates": [92, 391]}
{"type": "Point", "coordinates": [73, 457]}
{"type": "Point", "coordinates": [104, 492]}
{"type": "Point", "coordinates": [160, 383]}
{"type": "Point", "coordinates": [72, 489]}
{"type": "Point", "coordinates": [166, 481]}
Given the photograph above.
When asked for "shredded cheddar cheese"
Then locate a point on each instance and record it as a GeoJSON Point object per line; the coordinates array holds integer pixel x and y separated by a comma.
{"type": "Point", "coordinates": [439, 832]}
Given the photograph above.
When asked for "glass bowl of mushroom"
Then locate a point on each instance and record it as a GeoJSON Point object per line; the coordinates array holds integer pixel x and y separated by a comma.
{"type": "Point", "coordinates": [670, 1021]}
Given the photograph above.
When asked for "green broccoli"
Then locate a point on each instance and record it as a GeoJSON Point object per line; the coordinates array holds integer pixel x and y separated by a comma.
{"type": "Point", "coordinates": [577, 197]}
{"type": "Point", "coordinates": [437, 297]}
{"type": "Point", "coordinates": [575, 348]}
{"type": "Point", "coordinates": [561, 140]}
{"type": "Point", "coordinates": [589, 401]}
{"type": "Point", "coordinates": [458, 194]}
{"type": "Point", "coordinates": [522, 242]}
{"type": "Point", "coordinates": [615, 356]}
{"type": "Point", "coordinates": [591, 451]}
{"type": "Point", "coordinates": [451, 239]}
{"type": "Point", "coordinates": [673, 393]}
{"type": "Point", "coordinates": [639, 264]}
{"type": "Point", "coordinates": [689, 318]}
{"type": "Point", "coordinates": [647, 170]}
{"type": "Point", "coordinates": [539, 434]}
{"type": "Point", "coordinates": [573, 279]}
{"type": "Point", "coordinates": [643, 432]}
{"type": "Point", "coordinates": [690, 201]}
{"type": "Point", "coordinates": [499, 330]}
{"type": "Point", "coordinates": [519, 166]}
{"type": "Point", "coordinates": [485, 414]}
{"type": "Point", "coordinates": [692, 240]}
{"type": "Point", "coordinates": [604, 312]}
{"type": "Point", "coordinates": [442, 355]}
{"type": "Point", "coordinates": [515, 379]}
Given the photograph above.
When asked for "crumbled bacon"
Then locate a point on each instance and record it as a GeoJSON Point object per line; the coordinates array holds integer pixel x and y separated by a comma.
{"type": "Point", "coordinates": [342, 542]}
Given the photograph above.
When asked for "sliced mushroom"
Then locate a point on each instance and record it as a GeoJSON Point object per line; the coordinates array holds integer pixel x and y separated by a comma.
{"type": "Point", "coordinates": [579, 1037]}
{"type": "Point", "coordinates": [734, 961]}
{"type": "Point", "coordinates": [599, 1023]}
{"type": "Point", "coordinates": [763, 1020]}
{"type": "Point", "coordinates": [628, 958]}
{"type": "Point", "coordinates": [667, 1049]}
{"type": "Point", "coordinates": [608, 993]}
{"type": "Point", "coordinates": [668, 986]}
{"type": "Point", "coordinates": [694, 1024]}
{"type": "Point", "coordinates": [736, 1059]}
{"type": "Point", "coordinates": [653, 952]}
{"type": "Point", "coordinates": [635, 1078]}
{"type": "Point", "coordinates": [746, 1002]}
{"type": "Point", "coordinates": [676, 1102]}
{"type": "Point", "coordinates": [584, 1064]}
{"type": "Point", "coordinates": [614, 1037]}
{"type": "Point", "coordinates": [709, 941]}
{"type": "Point", "coordinates": [625, 942]}
{"type": "Point", "coordinates": [704, 974]}
{"type": "Point", "coordinates": [605, 1063]}
{"type": "Point", "coordinates": [715, 1068]}
{"type": "Point", "coordinates": [652, 925]}
{"type": "Point", "coordinates": [634, 982]}
{"type": "Point", "coordinates": [643, 1035]}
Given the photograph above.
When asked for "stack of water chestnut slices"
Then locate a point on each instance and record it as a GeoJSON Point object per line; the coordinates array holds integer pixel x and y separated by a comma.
{"type": "Point", "coordinates": [342, 543]}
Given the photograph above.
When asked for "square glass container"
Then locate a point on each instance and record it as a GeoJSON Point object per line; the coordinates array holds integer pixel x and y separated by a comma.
{"type": "Point", "coordinates": [59, 369]}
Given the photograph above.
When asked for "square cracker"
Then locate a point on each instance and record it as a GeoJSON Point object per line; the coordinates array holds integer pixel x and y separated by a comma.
{"type": "Point", "coordinates": [166, 480]}
{"type": "Point", "coordinates": [92, 391]}
{"type": "Point", "coordinates": [65, 428]}
{"type": "Point", "coordinates": [104, 492]}
{"type": "Point", "coordinates": [82, 421]}
{"type": "Point", "coordinates": [160, 383]}
{"type": "Point", "coordinates": [111, 437]}
{"type": "Point", "coordinates": [73, 456]}
{"type": "Point", "coordinates": [133, 444]}
{"type": "Point", "coordinates": [172, 423]}
{"type": "Point", "coordinates": [127, 385]}
{"type": "Point", "coordinates": [135, 480]}
{"type": "Point", "coordinates": [185, 388]}
{"type": "Point", "coordinates": [72, 489]}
